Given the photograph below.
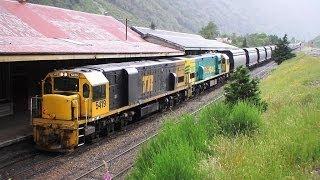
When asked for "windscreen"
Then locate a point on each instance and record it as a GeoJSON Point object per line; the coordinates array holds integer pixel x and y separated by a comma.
{"type": "Point", "coordinates": [66, 84]}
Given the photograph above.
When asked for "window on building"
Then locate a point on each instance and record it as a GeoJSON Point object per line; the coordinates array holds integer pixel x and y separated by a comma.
{"type": "Point", "coordinates": [86, 90]}
{"type": "Point", "coordinates": [4, 81]}
{"type": "Point", "coordinates": [99, 92]}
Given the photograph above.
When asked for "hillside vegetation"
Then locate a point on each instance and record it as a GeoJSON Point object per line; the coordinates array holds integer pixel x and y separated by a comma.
{"type": "Point", "coordinates": [281, 143]}
{"type": "Point", "coordinates": [231, 16]}
{"type": "Point", "coordinates": [288, 145]}
{"type": "Point", "coordinates": [316, 42]}
{"type": "Point", "coordinates": [180, 15]}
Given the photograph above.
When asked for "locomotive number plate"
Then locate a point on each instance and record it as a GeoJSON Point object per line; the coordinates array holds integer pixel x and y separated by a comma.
{"type": "Point", "coordinates": [101, 104]}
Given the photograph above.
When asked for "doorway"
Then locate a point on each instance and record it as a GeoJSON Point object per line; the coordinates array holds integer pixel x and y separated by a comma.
{"type": "Point", "coordinates": [20, 93]}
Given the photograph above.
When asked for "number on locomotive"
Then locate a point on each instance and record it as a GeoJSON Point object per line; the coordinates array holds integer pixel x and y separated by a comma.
{"type": "Point", "coordinates": [101, 104]}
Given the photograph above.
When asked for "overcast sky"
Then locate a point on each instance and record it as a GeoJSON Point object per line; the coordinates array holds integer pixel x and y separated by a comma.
{"type": "Point", "coordinates": [300, 18]}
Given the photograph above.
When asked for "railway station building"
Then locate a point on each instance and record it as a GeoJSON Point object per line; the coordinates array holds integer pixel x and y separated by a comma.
{"type": "Point", "coordinates": [186, 42]}
{"type": "Point", "coordinates": [36, 39]}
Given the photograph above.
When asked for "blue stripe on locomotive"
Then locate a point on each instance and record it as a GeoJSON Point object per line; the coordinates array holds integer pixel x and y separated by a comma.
{"type": "Point", "coordinates": [208, 66]}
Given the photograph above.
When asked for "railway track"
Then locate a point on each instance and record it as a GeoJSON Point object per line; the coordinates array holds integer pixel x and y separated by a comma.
{"type": "Point", "coordinates": [45, 160]}
{"type": "Point", "coordinates": [8, 170]}
{"type": "Point", "coordinates": [22, 169]}
{"type": "Point", "coordinates": [117, 175]}
{"type": "Point", "coordinates": [134, 148]}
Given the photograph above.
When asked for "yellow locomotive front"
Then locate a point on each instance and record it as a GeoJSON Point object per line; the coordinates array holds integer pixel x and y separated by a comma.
{"type": "Point", "coordinates": [69, 101]}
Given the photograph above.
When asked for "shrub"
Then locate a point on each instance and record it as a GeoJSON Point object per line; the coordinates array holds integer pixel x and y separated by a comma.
{"type": "Point", "coordinates": [244, 88]}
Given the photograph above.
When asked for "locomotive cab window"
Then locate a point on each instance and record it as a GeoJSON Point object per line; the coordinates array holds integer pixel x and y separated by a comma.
{"type": "Point", "coordinates": [223, 61]}
{"type": "Point", "coordinates": [181, 79]}
{"type": "Point", "coordinates": [192, 75]}
{"type": "Point", "coordinates": [86, 90]}
{"type": "Point", "coordinates": [66, 84]}
{"type": "Point", "coordinates": [99, 92]}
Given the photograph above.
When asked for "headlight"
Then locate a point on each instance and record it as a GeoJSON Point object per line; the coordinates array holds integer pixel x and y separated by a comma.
{"type": "Point", "coordinates": [73, 75]}
{"type": "Point", "coordinates": [65, 74]}
{"type": "Point", "coordinates": [61, 74]}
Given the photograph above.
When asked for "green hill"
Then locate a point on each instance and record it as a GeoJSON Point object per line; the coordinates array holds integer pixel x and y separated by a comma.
{"type": "Point", "coordinates": [316, 42]}
{"type": "Point", "coordinates": [177, 15]}
{"type": "Point", "coordinates": [231, 16]}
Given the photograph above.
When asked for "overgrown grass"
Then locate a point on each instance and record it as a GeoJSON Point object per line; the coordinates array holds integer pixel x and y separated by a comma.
{"type": "Point", "coordinates": [225, 142]}
{"type": "Point", "coordinates": [288, 145]}
{"type": "Point", "coordinates": [179, 148]}
{"type": "Point", "coordinates": [173, 153]}
{"type": "Point", "coordinates": [221, 118]}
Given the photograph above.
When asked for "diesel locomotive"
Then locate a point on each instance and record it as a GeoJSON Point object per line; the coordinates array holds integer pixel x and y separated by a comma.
{"type": "Point", "coordinates": [79, 104]}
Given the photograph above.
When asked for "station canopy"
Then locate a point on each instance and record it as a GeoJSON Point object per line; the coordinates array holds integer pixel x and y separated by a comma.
{"type": "Point", "coordinates": [181, 41]}
{"type": "Point", "coordinates": [31, 32]}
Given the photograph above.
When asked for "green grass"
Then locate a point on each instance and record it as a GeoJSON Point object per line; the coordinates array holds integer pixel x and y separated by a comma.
{"type": "Point", "coordinates": [174, 153]}
{"type": "Point", "coordinates": [180, 147]}
{"type": "Point", "coordinates": [288, 145]}
{"type": "Point", "coordinates": [240, 143]}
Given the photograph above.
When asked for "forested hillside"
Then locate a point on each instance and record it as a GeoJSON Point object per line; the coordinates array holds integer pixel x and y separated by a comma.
{"type": "Point", "coordinates": [231, 16]}
{"type": "Point", "coordinates": [316, 42]}
{"type": "Point", "coordinates": [180, 15]}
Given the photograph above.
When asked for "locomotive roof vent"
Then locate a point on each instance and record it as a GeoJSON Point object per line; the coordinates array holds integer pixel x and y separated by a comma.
{"type": "Point", "coordinates": [85, 70]}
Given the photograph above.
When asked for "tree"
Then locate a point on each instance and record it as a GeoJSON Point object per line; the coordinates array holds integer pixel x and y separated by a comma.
{"type": "Point", "coordinates": [283, 52]}
{"type": "Point", "coordinates": [153, 26]}
{"type": "Point", "coordinates": [243, 88]}
{"type": "Point", "coordinates": [273, 39]}
{"type": "Point", "coordinates": [210, 31]}
{"type": "Point", "coordinates": [244, 43]}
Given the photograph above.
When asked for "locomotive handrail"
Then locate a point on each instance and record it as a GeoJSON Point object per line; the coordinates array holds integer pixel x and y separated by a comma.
{"type": "Point", "coordinates": [77, 108]}
{"type": "Point", "coordinates": [36, 105]}
{"type": "Point", "coordinates": [86, 108]}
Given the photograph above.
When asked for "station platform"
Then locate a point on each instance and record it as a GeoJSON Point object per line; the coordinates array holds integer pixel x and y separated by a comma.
{"type": "Point", "coordinates": [15, 128]}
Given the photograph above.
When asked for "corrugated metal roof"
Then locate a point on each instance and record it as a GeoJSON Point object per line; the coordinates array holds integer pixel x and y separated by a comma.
{"type": "Point", "coordinates": [183, 41]}
{"type": "Point", "coordinates": [36, 29]}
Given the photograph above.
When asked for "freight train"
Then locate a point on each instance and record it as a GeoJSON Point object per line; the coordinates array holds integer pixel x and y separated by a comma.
{"type": "Point", "coordinates": [79, 104]}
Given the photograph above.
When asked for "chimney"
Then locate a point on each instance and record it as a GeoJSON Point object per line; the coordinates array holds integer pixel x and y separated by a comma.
{"type": "Point", "coordinates": [22, 1]}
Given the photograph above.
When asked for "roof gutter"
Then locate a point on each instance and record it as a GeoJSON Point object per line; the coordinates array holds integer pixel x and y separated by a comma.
{"type": "Point", "coordinates": [58, 57]}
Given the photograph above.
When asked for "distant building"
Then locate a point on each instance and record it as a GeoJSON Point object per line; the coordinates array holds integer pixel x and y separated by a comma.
{"type": "Point", "coordinates": [190, 43]}
{"type": "Point", "coordinates": [224, 40]}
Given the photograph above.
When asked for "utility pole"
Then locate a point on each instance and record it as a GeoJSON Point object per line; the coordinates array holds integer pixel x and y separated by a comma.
{"type": "Point", "coordinates": [126, 24]}
{"type": "Point", "coordinates": [126, 29]}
